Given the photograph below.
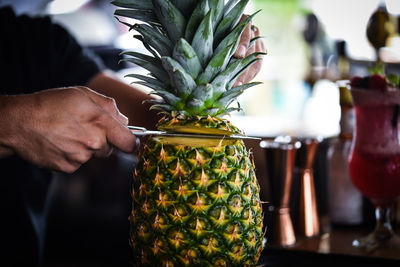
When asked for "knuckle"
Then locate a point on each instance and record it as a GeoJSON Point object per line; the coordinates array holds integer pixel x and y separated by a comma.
{"type": "Point", "coordinates": [111, 106]}
{"type": "Point", "coordinates": [111, 102]}
{"type": "Point", "coordinates": [82, 158]}
{"type": "Point", "coordinates": [83, 88]}
{"type": "Point", "coordinates": [79, 158]}
{"type": "Point", "coordinates": [95, 143]}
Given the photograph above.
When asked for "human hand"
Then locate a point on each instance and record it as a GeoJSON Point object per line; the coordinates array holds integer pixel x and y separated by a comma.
{"type": "Point", "coordinates": [61, 129]}
{"type": "Point", "coordinates": [244, 50]}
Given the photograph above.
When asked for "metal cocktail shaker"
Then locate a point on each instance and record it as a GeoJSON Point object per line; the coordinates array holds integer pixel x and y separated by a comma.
{"type": "Point", "coordinates": [308, 224]}
{"type": "Point", "coordinates": [280, 157]}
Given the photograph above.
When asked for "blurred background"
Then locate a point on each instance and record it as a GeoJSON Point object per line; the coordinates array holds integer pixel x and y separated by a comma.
{"type": "Point", "coordinates": [305, 40]}
{"type": "Point", "coordinates": [311, 44]}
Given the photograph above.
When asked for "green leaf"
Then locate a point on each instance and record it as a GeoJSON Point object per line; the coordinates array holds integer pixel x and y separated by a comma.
{"type": "Point", "coordinates": [229, 21]}
{"type": "Point", "coordinates": [187, 57]}
{"type": "Point", "coordinates": [154, 101]}
{"type": "Point", "coordinates": [181, 80]}
{"type": "Point", "coordinates": [234, 36]}
{"type": "Point", "coordinates": [213, 112]}
{"type": "Point", "coordinates": [171, 18]}
{"type": "Point", "coordinates": [217, 64]}
{"type": "Point", "coordinates": [148, 79]}
{"type": "Point", "coordinates": [229, 5]}
{"type": "Point", "coordinates": [130, 26]}
{"type": "Point", "coordinates": [254, 40]}
{"type": "Point", "coordinates": [185, 7]}
{"type": "Point", "coordinates": [162, 107]}
{"type": "Point", "coordinates": [167, 96]}
{"type": "Point", "coordinates": [149, 85]}
{"type": "Point", "coordinates": [232, 109]}
{"type": "Point", "coordinates": [147, 46]}
{"type": "Point", "coordinates": [377, 69]}
{"type": "Point", "coordinates": [233, 80]}
{"type": "Point", "coordinates": [195, 106]}
{"type": "Point", "coordinates": [142, 15]}
{"type": "Point", "coordinates": [217, 7]}
{"type": "Point", "coordinates": [203, 92]}
{"type": "Point", "coordinates": [155, 39]}
{"type": "Point", "coordinates": [203, 40]}
{"type": "Point", "coordinates": [220, 83]}
{"type": "Point", "coordinates": [141, 56]}
{"type": "Point", "coordinates": [393, 79]}
{"type": "Point", "coordinates": [136, 4]}
{"type": "Point", "coordinates": [231, 95]}
{"type": "Point", "coordinates": [155, 69]}
{"type": "Point", "coordinates": [197, 16]}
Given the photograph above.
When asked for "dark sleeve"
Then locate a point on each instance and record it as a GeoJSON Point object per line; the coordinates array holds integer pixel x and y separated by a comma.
{"type": "Point", "coordinates": [36, 54]}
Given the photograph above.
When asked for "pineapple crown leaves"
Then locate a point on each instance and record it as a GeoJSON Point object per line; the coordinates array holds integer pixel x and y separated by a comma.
{"type": "Point", "coordinates": [191, 45]}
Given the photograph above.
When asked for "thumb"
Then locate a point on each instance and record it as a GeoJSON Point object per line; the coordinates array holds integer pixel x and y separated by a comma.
{"type": "Point", "coordinates": [117, 134]}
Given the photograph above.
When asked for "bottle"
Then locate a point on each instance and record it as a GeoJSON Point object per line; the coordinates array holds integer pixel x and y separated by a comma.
{"type": "Point", "coordinates": [343, 64]}
{"type": "Point", "coordinates": [345, 201]}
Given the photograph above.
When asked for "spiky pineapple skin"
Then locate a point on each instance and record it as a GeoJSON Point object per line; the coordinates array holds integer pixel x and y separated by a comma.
{"type": "Point", "coordinates": [195, 206]}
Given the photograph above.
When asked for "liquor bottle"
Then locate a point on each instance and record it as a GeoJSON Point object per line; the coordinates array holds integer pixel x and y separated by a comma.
{"type": "Point", "coordinates": [345, 201]}
{"type": "Point", "coordinates": [343, 64]}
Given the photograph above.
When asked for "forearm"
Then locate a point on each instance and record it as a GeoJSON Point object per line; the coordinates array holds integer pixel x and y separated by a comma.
{"type": "Point", "coordinates": [129, 99]}
{"type": "Point", "coordinates": [61, 128]}
{"type": "Point", "coordinates": [7, 115]}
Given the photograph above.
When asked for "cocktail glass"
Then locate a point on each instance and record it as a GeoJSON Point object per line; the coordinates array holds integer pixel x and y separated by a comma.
{"type": "Point", "coordinates": [374, 162]}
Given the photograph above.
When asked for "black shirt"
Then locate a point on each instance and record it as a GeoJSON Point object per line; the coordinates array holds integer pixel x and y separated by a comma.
{"type": "Point", "coordinates": [35, 54]}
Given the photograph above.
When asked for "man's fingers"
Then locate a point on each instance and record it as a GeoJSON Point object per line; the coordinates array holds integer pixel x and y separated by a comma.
{"type": "Point", "coordinates": [64, 165]}
{"type": "Point", "coordinates": [244, 40]}
{"type": "Point", "coordinates": [105, 151]}
{"type": "Point", "coordinates": [248, 75]}
{"type": "Point", "coordinates": [251, 50]}
{"type": "Point", "coordinates": [107, 103]}
{"type": "Point", "coordinates": [118, 135]}
{"type": "Point", "coordinates": [79, 157]}
{"type": "Point", "coordinates": [98, 144]}
{"type": "Point", "coordinates": [113, 126]}
{"type": "Point", "coordinates": [260, 46]}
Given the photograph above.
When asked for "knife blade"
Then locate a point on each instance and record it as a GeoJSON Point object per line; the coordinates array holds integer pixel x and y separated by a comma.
{"type": "Point", "coordinates": [141, 131]}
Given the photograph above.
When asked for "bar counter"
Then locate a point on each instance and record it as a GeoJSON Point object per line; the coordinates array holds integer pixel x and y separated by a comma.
{"type": "Point", "coordinates": [332, 248]}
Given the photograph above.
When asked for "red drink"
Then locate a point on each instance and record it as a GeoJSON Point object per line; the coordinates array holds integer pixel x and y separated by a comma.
{"type": "Point", "coordinates": [374, 163]}
{"type": "Point", "coordinates": [375, 160]}
{"type": "Point", "coordinates": [376, 176]}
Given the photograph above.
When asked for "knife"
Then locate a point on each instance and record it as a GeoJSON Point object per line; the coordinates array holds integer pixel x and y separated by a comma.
{"type": "Point", "coordinates": [141, 131]}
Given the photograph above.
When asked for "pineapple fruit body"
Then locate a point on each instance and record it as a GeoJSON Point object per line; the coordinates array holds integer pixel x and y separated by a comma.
{"type": "Point", "coordinates": [195, 200]}
{"type": "Point", "coordinates": [196, 205]}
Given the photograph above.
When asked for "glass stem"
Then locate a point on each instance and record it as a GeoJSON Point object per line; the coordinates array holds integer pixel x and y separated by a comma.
{"type": "Point", "coordinates": [383, 229]}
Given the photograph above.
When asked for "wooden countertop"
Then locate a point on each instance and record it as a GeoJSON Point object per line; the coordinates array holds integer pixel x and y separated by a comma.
{"type": "Point", "coordinates": [338, 241]}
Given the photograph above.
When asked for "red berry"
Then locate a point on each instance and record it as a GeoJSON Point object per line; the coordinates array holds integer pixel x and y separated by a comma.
{"type": "Point", "coordinates": [363, 83]}
{"type": "Point", "coordinates": [355, 81]}
{"type": "Point", "coordinates": [377, 82]}
{"type": "Point", "coordinates": [359, 82]}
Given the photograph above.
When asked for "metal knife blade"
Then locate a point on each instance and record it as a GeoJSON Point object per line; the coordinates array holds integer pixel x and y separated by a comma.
{"type": "Point", "coordinates": [140, 131]}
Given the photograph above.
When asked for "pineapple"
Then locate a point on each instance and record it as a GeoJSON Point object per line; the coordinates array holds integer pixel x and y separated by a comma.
{"type": "Point", "coordinates": [195, 200]}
